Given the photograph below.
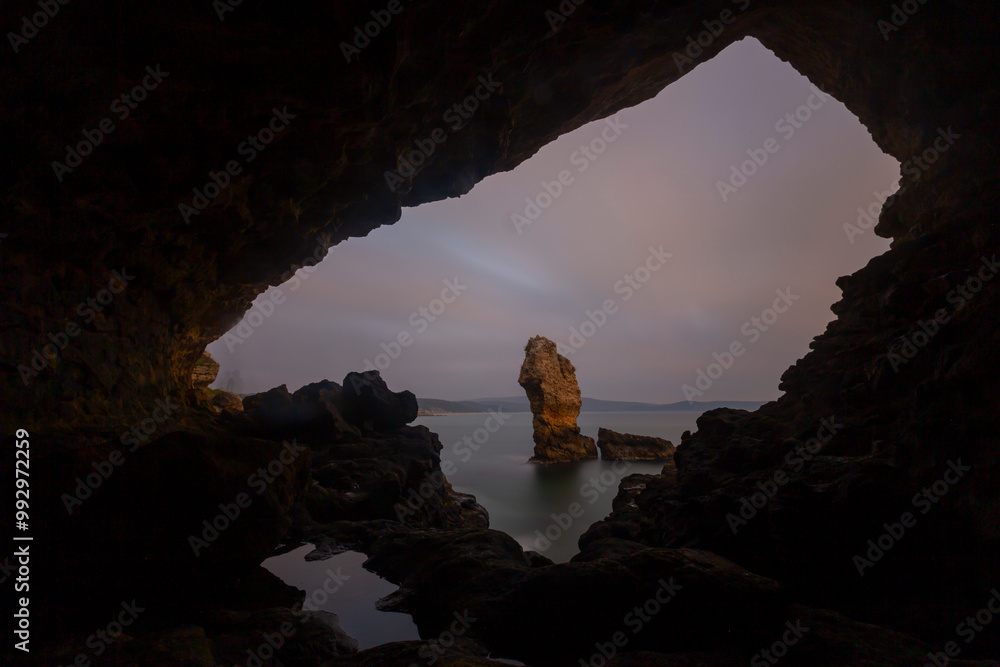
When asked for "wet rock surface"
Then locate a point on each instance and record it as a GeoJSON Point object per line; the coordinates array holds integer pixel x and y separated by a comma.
{"type": "Point", "coordinates": [549, 380]}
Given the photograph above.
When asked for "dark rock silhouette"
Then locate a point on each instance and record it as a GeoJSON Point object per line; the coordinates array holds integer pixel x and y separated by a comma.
{"type": "Point", "coordinates": [549, 380]}
{"type": "Point", "coordinates": [168, 287]}
{"type": "Point", "coordinates": [311, 415]}
{"type": "Point", "coordinates": [368, 403]}
{"type": "Point", "coordinates": [628, 447]}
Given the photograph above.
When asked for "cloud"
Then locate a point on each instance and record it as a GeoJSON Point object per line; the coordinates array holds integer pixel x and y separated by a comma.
{"type": "Point", "coordinates": [656, 184]}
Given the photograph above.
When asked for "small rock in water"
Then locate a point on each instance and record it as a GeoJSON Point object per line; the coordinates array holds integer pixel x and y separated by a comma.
{"type": "Point", "coordinates": [628, 447]}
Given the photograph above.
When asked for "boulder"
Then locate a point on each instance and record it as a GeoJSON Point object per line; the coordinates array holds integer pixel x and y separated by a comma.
{"type": "Point", "coordinates": [227, 400]}
{"type": "Point", "coordinates": [545, 614]}
{"type": "Point", "coordinates": [205, 371]}
{"type": "Point", "coordinates": [628, 447]}
{"type": "Point", "coordinates": [298, 637]}
{"type": "Point", "coordinates": [312, 414]}
{"type": "Point", "coordinates": [549, 380]}
{"type": "Point", "coordinates": [389, 476]}
{"type": "Point", "coordinates": [369, 404]}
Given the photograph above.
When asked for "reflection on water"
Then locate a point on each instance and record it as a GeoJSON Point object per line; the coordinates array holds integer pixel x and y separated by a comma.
{"type": "Point", "coordinates": [341, 586]}
{"type": "Point", "coordinates": [545, 508]}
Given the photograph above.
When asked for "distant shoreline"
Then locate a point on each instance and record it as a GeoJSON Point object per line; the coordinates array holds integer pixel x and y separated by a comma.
{"type": "Point", "coordinates": [433, 407]}
{"type": "Point", "coordinates": [582, 412]}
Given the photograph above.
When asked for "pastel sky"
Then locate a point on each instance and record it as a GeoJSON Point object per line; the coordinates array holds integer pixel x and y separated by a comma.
{"type": "Point", "coordinates": [654, 184]}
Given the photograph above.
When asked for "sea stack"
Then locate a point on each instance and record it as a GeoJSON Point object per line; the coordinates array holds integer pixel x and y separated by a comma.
{"type": "Point", "coordinates": [549, 380]}
{"type": "Point", "coordinates": [628, 447]}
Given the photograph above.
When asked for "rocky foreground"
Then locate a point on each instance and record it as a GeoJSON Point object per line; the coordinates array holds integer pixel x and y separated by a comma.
{"type": "Point", "coordinates": [345, 472]}
{"type": "Point", "coordinates": [868, 490]}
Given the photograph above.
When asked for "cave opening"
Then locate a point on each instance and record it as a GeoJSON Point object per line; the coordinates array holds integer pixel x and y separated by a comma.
{"type": "Point", "coordinates": [682, 171]}
{"type": "Point", "coordinates": [736, 198]}
{"type": "Point", "coordinates": [151, 492]}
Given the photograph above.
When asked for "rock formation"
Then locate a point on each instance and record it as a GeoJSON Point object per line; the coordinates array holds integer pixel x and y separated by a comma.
{"type": "Point", "coordinates": [205, 371]}
{"type": "Point", "coordinates": [628, 447]}
{"type": "Point", "coordinates": [549, 380]}
{"type": "Point", "coordinates": [311, 415]}
{"type": "Point", "coordinates": [368, 403]}
{"type": "Point", "coordinates": [325, 411]}
{"type": "Point", "coordinates": [902, 398]}
{"type": "Point", "coordinates": [227, 400]}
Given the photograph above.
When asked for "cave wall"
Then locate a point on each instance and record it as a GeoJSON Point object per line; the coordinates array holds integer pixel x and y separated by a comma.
{"type": "Point", "coordinates": [322, 178]}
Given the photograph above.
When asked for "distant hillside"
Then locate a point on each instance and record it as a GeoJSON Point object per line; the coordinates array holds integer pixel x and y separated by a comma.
{"type": "Point", "coordinates": [598, 405]}
{"type": "Point", "coordinates": [434, 406]}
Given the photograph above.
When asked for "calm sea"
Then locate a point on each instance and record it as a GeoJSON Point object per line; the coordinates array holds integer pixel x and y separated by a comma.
{"type": "Point", "coordinates": [531, 502]}
{"type": "Point", "coordinates": [545, 508]}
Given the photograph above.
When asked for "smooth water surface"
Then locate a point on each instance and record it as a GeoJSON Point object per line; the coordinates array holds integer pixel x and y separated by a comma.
{"type": "Point", "coordinates": [535, 503]}
{"type": "Point", "coordinates": [544, 507]}
{"type": "Point", "coordinates": [341, 586]}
